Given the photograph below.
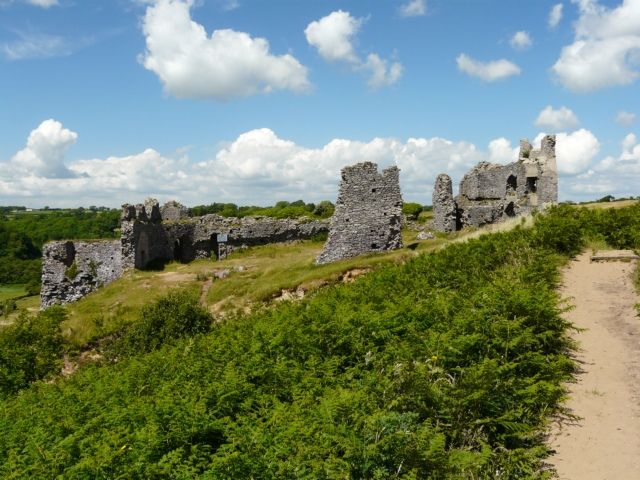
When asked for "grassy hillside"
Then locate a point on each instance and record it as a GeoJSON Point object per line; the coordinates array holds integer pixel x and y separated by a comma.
{"type": "Point", "coordinates": [444, 366]}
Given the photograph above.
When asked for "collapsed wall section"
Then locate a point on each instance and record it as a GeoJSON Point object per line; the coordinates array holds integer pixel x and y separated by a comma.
{"type": "Point", "coordinates": [72, 269]}
{"type": "Point", "coordinates": [368, 214]}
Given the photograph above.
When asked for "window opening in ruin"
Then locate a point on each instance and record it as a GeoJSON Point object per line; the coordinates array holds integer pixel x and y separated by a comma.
{"type": "Point", "coordinates": [512, 184]}
{"type": "Point", "coordinates": [373, 190]}
{"type": "Point", "coordinates": [214, 246]}
{"type": "Point", "coordinates": [374, 245]}
{"type": "Point", "coordinates": [177, 251]}
{"type": "Point", "coordinates": [510, 211]}
{"type": "Point", "coordinates": [532, 184]}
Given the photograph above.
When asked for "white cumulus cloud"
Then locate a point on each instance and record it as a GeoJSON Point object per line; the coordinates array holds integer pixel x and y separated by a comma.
{"type": "Point", "coordinates": [606, 47]}
{"type": "Point", "coordinates": [555, 16]}
{"type": "Point", "coordinates": [575, 151]}
{"type": "Point", "coordinates": [44, 153]}
{"type": "Point", "coordinates": [521, 40]}
{"type": "Point", "coordinates": [222, 66]}
{"type": "Point", "coordinates": [487, 71]}
{"type": "Point", "coordinates": [501, 151]}
{"type": "Point", "coordinates": [413, 8]}
{"type": "Point", "coordinates": [626, 119]}
{"type": "Point", "coordinates": [42, 3]}
{"type": "Point", "coordinates": [334, 36]}
{"type": "Point", "coordinates": [555, 120]}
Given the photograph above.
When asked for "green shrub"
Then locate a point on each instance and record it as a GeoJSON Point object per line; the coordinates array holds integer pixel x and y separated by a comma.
{"type": "Point", "coordinates": [72, 271]}
{"type": "Point", "coordinates": [30, 349]}
{"type": "Point", "coordinates": [176, 315]}
{"type": "Point", "coordinates": [412, 210]}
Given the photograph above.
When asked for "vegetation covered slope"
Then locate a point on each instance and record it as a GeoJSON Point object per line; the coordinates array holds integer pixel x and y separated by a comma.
{"type": "Point", "coordinates": [444, 367]}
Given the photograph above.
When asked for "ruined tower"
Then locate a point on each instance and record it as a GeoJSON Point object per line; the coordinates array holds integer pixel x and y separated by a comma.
{"type": "Point", "coordinates": [368, 214]}
{"type": "Point", "coordinates": [490, 192]}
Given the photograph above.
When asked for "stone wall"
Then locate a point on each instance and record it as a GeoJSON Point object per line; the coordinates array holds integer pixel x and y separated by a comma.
{"type": "Point", "coordinates": [72, 269]}
{"type": "Point", "coordinates": [147, 238]}
{"type": "Point", "coordinates": [490, 193]}
{"type": "Point", "coordinates": [368, 214]}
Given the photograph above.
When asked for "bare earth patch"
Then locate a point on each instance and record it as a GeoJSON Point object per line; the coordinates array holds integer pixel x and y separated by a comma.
{"type": "Point", "coordinates": [604, 443]}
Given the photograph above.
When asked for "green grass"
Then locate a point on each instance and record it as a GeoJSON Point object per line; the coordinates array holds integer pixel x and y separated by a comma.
{"type": "Point", "coordinates": [266, 270]}
{"type": "Point", "coordinates": [8, 292]}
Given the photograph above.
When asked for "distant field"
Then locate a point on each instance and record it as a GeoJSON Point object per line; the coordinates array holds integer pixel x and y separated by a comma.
{"type": "Point", "coordinates": [11, 291]}
{"type": "Point", "coordinates": [613, 204]}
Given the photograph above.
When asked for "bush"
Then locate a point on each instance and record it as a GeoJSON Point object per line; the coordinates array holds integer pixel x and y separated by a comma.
{"type": "Point", "coordinates": [169, 318]}
{"type": "Point", "coordinates": [30, 349]}
{"type": "Point", "coordinates": [412, 210]}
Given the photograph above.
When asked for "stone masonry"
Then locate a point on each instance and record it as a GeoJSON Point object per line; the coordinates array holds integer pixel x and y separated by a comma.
{"type": "Point", "coordinates": [444, 206]}
{"type": "Point", "coordinates": [368, 214]}
{"type": "Point", "coordinates": [490, 193]}
{"type": "Point", "coordinates": [72, 269]}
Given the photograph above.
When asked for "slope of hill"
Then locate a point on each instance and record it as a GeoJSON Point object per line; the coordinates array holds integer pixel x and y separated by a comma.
{"type": "Point", "coordinates": [445, 366]}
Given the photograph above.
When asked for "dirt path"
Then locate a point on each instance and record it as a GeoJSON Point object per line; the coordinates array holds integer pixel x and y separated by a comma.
{"type": "Point", "coordinates": [605, 443]}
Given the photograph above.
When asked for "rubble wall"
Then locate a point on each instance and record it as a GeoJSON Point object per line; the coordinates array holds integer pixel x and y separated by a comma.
{"type": "Point", "coordinates": [72, 269]}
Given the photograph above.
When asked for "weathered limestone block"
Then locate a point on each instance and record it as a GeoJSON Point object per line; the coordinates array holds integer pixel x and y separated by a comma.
{"type": "Point", "coordinates": [444, 207]}
{"type": "Point", "coordinates": [71, 270]}
{"type": "Point", "coordinates": [368, 214]}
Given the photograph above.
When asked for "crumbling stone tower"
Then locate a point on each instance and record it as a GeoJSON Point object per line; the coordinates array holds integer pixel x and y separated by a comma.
{"type": "Point", "coordinates": [444, 206]}
{"type": "Point", "coordinates": [368, 214]}
{"type": "Point", "coordinates": [490, 192]}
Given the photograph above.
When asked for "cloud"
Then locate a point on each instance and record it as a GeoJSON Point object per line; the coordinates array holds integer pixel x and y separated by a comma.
{"type": "Point", "coordinates": [606, 47]}
{"type": "Point", "coordinates": [575, 151]}
{"type": "Point", "coordinates": [45, 150]}
{"type": "Point", "coordinates": [555, 16]}
{"type": "Point", "coordinates": [555, 120]}
{"type": "Point", "coordinates": [259, 167]}
{"type": "Point", "coordinates": [626, 119]}
{"type": "Point", "coordinates": [413, 8]}
{"type": "Point", "coordinates": [37, 45]}
{"type": "Point", "coordinates": [501, 151]}
{"type": "Point", "coordinates": [228, 64]}
{"type": "Point", "coordinates": [521, 40]}
{"type": "Point", "coordinates": [334, 36]}
{"type": "Point", "coordinates": [487, 71]}
{"type": "Point", "coordinates": [43, 3]}
{"type": "Point", "coordinates": [619, 175]}
{"type": "Point", "coordinates": [382, 75]}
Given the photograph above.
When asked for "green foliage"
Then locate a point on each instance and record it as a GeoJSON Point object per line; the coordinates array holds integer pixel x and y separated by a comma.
{"type": "Point", "coordinates": [412, 210]}
{"type": "Point", "coordinates": [169, 318]}
{"type": "Point", "coordinates": [282, 209]}
{"type": "Point", "coordinates": [23, 234]}
{"type": "Point", "coordinates": [444, 367]}
{"type": "Point", "coordinates": [30, 349]}
{"type": "Point", "coordinates": [7, 306]}
{"type": "Point", "coordinates": [71, 271]}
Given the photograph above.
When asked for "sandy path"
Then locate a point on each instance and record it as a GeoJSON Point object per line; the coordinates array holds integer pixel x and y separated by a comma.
{"type": "Point", "coordinates": [605, 443]}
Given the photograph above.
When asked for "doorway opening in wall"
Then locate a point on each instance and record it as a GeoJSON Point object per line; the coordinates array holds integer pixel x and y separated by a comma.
{"type": "Point", "coordinates": [510, 210]}
{"type": "Point", "coordinates": [177, 250]}
{"type": "Point", "coordinates": [512, 184]}
{"type": "Point", "coordinates": [214, 246]}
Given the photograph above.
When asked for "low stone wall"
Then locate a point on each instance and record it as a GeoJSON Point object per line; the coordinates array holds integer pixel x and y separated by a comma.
{"type": "Point", "coordinates": [72, 269]}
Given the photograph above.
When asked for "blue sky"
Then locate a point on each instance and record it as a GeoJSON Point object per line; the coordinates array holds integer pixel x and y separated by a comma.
{"type": "Point", "coordinates": [106, 102]}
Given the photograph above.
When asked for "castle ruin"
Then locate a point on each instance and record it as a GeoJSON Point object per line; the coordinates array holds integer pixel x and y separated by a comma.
{"type": "Point", "coordinates": [368, 214]}
{"type": "Point", "coordinates": [150, 234]}
{"type": "Point", "coordinates": [490, 192]}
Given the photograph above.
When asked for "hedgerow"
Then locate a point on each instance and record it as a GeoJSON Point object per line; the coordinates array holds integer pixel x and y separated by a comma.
{"type": "Point", "coordinates": [444, 367]}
